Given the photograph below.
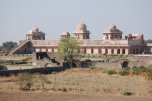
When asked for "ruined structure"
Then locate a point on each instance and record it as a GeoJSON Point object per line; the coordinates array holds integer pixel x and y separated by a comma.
{"type": "Point", "coordinates": [112, 42]}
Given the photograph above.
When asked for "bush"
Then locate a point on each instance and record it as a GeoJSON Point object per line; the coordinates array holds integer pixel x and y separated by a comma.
{"type": "Point", "coordinates": [43, 80]}
{"type": "Point", "coordinates": [25, 81]}
{"type": "Point", "coordinates": [123, 72]}
{"type": "Point", "coordinates": [137, 70]}
{"type": "Point", "coordinates": [127, 93]}
{"type": "Point", "coordinates": [148, 74]}
{"type": "Point", "coordinates": [111, 72]}
{"type": "Point", "coordinates": [63, 89]}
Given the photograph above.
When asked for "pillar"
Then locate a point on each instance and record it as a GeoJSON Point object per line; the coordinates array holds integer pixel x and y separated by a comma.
{"type": "Point", "coordinates": [126, 51]}
{"type": "Point", "coordinates": [109, 51]}
{"type": "Point", "coordinates": [103, 51]}
{"type": "Point", "coordinates": [115, 51]}
{"type": "Point", "coordinates": [88, 50]}
{"type": "Point", "coordinates": [95, 51]}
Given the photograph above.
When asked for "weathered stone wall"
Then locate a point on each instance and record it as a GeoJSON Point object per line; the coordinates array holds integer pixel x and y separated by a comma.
{"type": "Point", "coordinates": [137, 60]}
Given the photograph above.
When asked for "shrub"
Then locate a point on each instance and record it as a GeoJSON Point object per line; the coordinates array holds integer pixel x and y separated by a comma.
{"type": "Point", "coordinates": [148, 74]}
{"type": "Point", "coordinates": [127, 93]}
{"type": "Point", "coordinates": [137, 70]}
{"type": "Point", "coordinates": [111, 72]}
{"type": "Point", "coordinates": [44, 80]}
{"type": "Point", "coordinates": [25, 81]}
{"type": "Point", "coordinates": [63, 89]}
{"type": "Point", "coordinates": [123, 72]}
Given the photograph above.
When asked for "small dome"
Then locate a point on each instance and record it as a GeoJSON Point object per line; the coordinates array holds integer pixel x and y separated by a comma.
{"type": "Point", "coordinates": [65, 33]}
{"type": "Point", "coordinates": [113, 27]}
{"type": "Point", "coordinates": [35, 30]}
{"type": "Point", "coordinates": [82, 26]}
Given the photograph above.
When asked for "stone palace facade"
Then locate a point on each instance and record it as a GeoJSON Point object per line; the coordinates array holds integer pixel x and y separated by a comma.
{"type": "Point", "coordinates": [112, 42]}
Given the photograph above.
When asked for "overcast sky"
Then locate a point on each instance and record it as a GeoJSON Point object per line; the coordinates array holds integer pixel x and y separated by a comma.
{"type": "Point", "coordinates": [55, 16]}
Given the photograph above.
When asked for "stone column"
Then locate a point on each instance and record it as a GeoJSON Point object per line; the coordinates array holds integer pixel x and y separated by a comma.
{"type": "Point", "coordinates": [88, 50]}
{"type": "Point", "coordinates": [109, 51]}
{"type": "Point", "coordinates": [103, 51]}
{"type": "Point", "coordinates": [37, 50]}
{"type": "Point", "coordinates": [49, 50]}
{"type": "Point", "coordinates": [95, 51]}
{"type": "Point", "coordinates": [55, 50]}
{"type": "Point", "coordinates": [126, 51]}
{"type": "Point", "coordinates": [120, 50]}
{"type": "Point", "coordinates": [115, 51]}
{"type": "Point", "coordinates": [43, 50]}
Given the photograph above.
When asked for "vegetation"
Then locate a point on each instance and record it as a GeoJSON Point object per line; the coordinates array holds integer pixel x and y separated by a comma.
{"type": "Point", "coordinates": [80, 80]}
{"type": "Point", "coordinates": [43, 80]}
{"type": "Point", "coordinates": [69, 50]}
{"type": "Point", "coordinates": [108, 57]}
{"type": "Point", "coordinates": [138, 69]}
{"type": "Point", "coordinates": [149, 41]}
{"type": "Point", "coordinates": [25, 81]}
{"type": "Point", "coordinates": [127, 93]}
{"type": "Point", "coordinates": [124, 72]}
{"type": "Point", "coordinates": [111, 72]}
{"type": "Point", "coordinates": [148, 74]}
{"type": "Point", "coordinates": [7, 46]}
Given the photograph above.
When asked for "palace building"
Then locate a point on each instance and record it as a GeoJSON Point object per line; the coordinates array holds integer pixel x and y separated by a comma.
{"type": "Point", "coordinates": [112, 42]}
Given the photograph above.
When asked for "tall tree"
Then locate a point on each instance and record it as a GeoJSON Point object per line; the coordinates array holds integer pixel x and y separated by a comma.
{"type": "Point", "coordinates": [69, 49]}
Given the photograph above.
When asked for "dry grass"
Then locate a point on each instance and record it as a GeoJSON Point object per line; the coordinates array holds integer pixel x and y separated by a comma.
{"type": "Point", "coordinates": [88, 81]}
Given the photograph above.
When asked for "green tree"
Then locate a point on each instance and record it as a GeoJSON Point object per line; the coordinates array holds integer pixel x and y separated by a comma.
{"type": "Point", "coordinates": [7, 46]}
{"type": "Point", "coordinates": [149, 41]}
{"type": "Point", "coordinates": [68, 49]}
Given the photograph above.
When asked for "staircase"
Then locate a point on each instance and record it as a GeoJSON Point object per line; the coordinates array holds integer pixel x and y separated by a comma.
{"type": "Point", "coordinates": [18, 47]}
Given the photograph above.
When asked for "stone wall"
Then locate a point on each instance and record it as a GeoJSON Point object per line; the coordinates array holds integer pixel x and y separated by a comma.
{"type": "Point", "coordinates": [137, 60]}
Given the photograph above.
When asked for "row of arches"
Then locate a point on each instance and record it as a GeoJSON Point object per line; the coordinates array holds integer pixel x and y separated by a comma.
{"type": "Point", "coordinates": [104, 51]}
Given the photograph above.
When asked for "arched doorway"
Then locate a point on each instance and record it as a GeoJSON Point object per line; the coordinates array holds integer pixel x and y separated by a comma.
{"type": "Point", "coordinates": [112, 51]}
{"type": "Point", "coordinates": [123, 51]}
{"type": "Point", "coordinates": [118, 51]}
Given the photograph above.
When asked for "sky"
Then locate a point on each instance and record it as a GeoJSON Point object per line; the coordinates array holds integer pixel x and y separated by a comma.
{"type": "Point", "coordinates": [55, 16]}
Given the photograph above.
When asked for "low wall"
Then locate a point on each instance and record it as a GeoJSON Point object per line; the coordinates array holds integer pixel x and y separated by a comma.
{"type": "Point", "coordinates": [43, 70]}
{"type": "Point", "coordinates": [117, 64]}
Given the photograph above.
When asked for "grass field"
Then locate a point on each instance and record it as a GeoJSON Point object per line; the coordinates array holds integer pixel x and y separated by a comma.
{"type": "Point", "coordinates": [85, 81]}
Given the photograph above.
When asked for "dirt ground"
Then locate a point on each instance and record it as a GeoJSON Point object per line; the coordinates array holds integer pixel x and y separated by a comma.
{"type": "Point", "coordinates": [78, 85]}
{"type": "Point", "coordinates": [66, 97]}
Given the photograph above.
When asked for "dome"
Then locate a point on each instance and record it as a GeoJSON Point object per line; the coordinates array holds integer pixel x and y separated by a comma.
{"type": "Point", "coordinates": [112, 29]}
{"type": "Point", "coordinates": [82, 26]}
{"type": "Point", "coordinates": [35, 30]}
{"type": "Point", "coordinates": [65, 33]}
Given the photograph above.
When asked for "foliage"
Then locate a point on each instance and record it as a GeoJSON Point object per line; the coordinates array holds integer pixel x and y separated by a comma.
{"type": "Point", "coordinates": [7, 46]}
{"type": "Point", "coordinates": [108, 57]}
{"type": "Point", "coordinates": [69, 49]}
{"type": "Point", "coordinates": [148, 74]}
{"type": "Point", "coordinates": [44, 80]}
{"type": "Point", "coordinates": [127, 93]}
{"type": "Point", "coordinates": [111, 72]}
{"type": "Point", "coordinates": [149, 41]}
{"type": "Point", "coordinates": [25, 81]}
{"type": "Point", "coordinates": [138, 69]}
{"type": "Point", "coordinates": [123, 72]}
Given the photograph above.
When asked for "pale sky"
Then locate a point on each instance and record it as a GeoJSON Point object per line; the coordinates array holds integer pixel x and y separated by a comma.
{"type": "Point", "coordinates": [55, 16]}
